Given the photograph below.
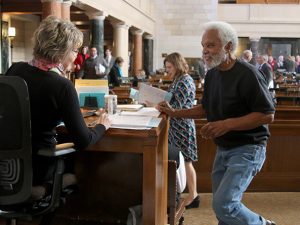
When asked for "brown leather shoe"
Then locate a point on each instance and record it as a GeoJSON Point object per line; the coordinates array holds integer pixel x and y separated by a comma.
{"type": "Point", "coordinates": [269, 222]}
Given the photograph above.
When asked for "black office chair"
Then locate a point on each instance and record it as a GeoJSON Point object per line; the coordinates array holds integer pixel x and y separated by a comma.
{"type": "Point", "coordinates": [18, 198]}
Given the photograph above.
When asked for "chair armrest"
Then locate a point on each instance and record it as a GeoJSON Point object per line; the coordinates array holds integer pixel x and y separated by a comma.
{"type": "Point", "coordinates": [61, 149]}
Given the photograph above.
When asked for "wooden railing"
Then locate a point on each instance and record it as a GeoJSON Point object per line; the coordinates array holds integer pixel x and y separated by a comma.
{"type": "Point", "coordinates": [267, 1]}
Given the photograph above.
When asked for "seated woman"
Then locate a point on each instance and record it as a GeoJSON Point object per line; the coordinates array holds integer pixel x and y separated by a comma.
{"type": "Point", "coordinates": [53, 98]}
{"type": "Point", "coordinates": [139, 77]}
{"type": "Point", "coordinates": [115, 73]}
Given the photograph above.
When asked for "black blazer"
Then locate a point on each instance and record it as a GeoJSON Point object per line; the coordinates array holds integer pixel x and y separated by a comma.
{"type": "Point", "coordinates": [267, 72]}
{"type": "Point", "coordinates": [113, 77]}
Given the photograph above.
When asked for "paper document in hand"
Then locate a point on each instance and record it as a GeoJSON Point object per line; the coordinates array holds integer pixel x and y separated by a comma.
{"type": "Point", "coordinates": [153, 95]}
{"type": "Point", "coordinates": [133, 122]}
{"type": "Point", "coordinates": [146, 111]}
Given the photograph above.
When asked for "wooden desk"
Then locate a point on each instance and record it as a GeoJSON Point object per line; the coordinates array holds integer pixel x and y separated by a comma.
{"type": "Point", "coordinates": [123, 169]}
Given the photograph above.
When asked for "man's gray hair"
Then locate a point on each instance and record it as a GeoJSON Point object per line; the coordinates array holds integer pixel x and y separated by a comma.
{"type": "Point", "coordinates": [226, 32]}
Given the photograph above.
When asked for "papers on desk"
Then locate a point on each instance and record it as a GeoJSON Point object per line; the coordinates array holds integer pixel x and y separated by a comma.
{"type": "Point", "coordinates": [152, 95]}
{"type": "Point", "coordinates": [129, 107]}
{"type": "Point", "coordinates": [147, 111]}
{"type": "Point", "coordinates": [134, 122]}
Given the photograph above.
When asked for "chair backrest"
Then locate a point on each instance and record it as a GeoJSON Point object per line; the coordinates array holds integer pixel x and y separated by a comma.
{"type": "Point", "coordinates": [15, 141]}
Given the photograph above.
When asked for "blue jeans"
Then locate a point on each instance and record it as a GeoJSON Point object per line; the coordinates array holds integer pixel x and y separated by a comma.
{"type": "Point", "coordinates": [232, 173]}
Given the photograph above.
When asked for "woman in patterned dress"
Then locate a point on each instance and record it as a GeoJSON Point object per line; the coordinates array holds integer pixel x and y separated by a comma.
{"type": "Point", "coordinates": [182, 132]}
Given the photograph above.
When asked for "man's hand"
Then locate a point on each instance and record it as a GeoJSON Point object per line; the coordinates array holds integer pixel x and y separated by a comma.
{"type": "Point", "coordinates": [214, 129]}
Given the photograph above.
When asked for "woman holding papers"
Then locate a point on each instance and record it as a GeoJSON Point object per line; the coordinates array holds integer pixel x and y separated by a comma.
{"type": "Point", "coordinates": [182, 132]}
{"type": "Point", "coordinates": [53, 98]}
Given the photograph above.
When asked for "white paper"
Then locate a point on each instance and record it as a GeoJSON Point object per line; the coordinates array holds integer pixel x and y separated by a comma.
{"type": "Point", "coordinates": [133, 122]}
{"type": "Point", "coordinates": [146, 111]}
{"type": "Point", "coordinates": [129, 107]}
{"type": "Point", "coordinates": [149, 94]}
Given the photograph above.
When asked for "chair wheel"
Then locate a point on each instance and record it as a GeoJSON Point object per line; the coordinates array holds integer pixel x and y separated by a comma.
{"type": "Point", "coordinates": [181, 221]}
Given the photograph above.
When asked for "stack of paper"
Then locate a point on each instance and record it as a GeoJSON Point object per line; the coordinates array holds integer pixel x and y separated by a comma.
{"type": "Point", "coordinates": [134, 122]}
{"type": "Point", "coordinates": [129, 107]}
{"type": "Point", "coordinates": [146, 111]}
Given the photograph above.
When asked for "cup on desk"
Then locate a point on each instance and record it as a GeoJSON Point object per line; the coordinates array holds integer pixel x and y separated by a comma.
{"type": "Point", "coordinates": [110, 104]}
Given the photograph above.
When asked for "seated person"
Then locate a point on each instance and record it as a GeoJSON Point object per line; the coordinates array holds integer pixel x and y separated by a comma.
{"type": "Point", "coordinates": [53, 98]}
{"type": "Point", "coordinates": [116, 73]}
{"type": "Point", "coordinates": [139, 77]}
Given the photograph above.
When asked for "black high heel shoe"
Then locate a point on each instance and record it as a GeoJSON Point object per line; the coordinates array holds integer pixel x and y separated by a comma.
{"type": "Point", "coordinates": [194, 204]}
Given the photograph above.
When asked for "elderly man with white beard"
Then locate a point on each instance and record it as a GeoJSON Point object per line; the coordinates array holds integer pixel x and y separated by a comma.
{"type": "Point", "coordinates": [238, 107]}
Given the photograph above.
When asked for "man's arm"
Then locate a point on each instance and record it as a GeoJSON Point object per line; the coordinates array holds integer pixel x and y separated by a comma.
{"type": "Point", "coordinates": [196, 112]}
{"type": "Point", "coordinates": [247, 122]}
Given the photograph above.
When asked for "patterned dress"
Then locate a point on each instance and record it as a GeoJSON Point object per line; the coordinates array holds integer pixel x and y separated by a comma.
{"type": "Point", "coordinates": [182, 132]}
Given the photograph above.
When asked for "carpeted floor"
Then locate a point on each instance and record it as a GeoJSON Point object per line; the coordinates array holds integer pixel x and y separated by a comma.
{"type": "Point", "coordinates": [282, 207]}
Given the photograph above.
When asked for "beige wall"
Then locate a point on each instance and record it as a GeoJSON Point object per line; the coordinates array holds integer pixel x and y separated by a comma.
{"type": "Point", "coordinates": [179, 27]}
{"type": "Point", "coordinates": [22, 43]}
{"type": "Point", "coordinates": [262, 20]}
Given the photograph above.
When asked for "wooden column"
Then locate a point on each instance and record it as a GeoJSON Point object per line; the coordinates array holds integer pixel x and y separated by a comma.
{"type": "Point", "coordinates": [51, 7]}
{"type": "Point", "coordinates": [65, 10]}
{"type": "Point", "coordinates": [137, 51]}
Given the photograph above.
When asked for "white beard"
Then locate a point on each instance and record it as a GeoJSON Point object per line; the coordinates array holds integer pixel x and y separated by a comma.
{"type": "Point", "coordinates": [217, 60]}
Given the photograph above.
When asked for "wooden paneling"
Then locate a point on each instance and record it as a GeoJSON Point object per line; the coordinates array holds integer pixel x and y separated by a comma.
{"type": "Point", "coordinates": [281, 171]}
{"type": "Point", "coordinates": [283, 1]}
{"type": "Point", "coordinates": [251, 1]}
{"type": "Point", "coordinates": [123, 169]}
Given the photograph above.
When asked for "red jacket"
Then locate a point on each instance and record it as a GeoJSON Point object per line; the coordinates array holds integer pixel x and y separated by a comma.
{"type": "Point", "coordinates": [79, 61]}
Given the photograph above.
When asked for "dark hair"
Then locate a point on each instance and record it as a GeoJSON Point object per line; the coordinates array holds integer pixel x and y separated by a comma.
{"type": "Point", "coordinates": [119, 60]}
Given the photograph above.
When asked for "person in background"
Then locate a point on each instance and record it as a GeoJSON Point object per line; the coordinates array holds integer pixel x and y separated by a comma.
{"type": "Point", "coordinates": [238, 107]}
{"type": "Point", "coordinates": [200, 68]}
{"type": "Point", "coordinates": [53, 99]}
{"type": "Point", "coordinates": [116, 73]}
{"type": "Point", "coordinates": [266, 69]}
{"type": "Point", "coordinates": [272, 62]}
{"type": "Point", "coordinates": [182, 131]}
{"type": "Point", "coordinates": [291, 64]}
{"type": "Point", "coordinates": [109, 61]}
{"type": "Point", "coordinates": [139, 77]}
{"type": "Point", "coordinates": [93, 67]}
{"type": "Point", "coordinates": [281, 65]}
{"type": "Point", "coordinates": [81, 57]}
{"type": "Point", "coordinates": [247, 56]}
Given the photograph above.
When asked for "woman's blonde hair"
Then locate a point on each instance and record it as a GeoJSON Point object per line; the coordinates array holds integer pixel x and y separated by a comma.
{"type": "Point", "coordinates": [178, 62]}
{"type": "Point", "coordinates": [55, 38]}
